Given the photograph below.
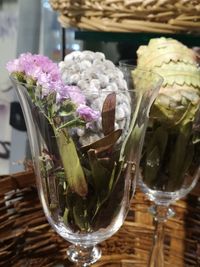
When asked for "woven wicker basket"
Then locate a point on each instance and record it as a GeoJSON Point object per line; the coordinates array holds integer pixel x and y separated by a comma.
{"type": "Point", "coordinates": [158, 16]}
{"type": "Point", "coordinates": [28, 240]}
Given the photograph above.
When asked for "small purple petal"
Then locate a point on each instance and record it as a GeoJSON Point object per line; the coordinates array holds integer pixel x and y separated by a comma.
{"type": "Point", "coordinates": [14, 66]}
{"type": "Point", "coordinates": [87, 113]}
{"type": "Point", "coordinates": [47, 75]}
{"type": "Point", "coordinates": [40, 68]}
{"type": "Point", "coordinates": [76, 95]}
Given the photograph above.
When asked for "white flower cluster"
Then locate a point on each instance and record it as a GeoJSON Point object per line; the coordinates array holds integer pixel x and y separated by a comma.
{"type": "Point", "coordinates": [97, 77]}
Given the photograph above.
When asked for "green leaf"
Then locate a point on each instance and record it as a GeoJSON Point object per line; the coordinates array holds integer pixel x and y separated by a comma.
{"type": "Point", "coordinates": [101, 176]}
{"type": "Point", "coordinates": [50, 98]}
{"type": "Point", "coordinates": [54, 109]}
{"type": "Point", "coordinates": [177, 176]}
{"type": "Point", "coordinates": [67, 108]}
{"type": "Point", "coordinates": [130, 149]}
{"type": "Point", "coordinates": [108, 114]}
{"type": "Point", "coordinates": [112, 178]}
{"type": "Point", "coordinates": [77, 207]}
{"type": "Point", "coordinates": [71, 163]}
{"type": "Point", "coordinates": [177, 161]}
{"type": "Point", "coordinates": [77, 122]}
{"type": "Point", "coordinates": [80, 214]}
{"type": "Point", "coordinates": [196, 128]}
{"type": "Point", "coordinates": [168, 116]}
{"type": "Point", "coordinates": [19, 76]}
{"type": "Point", "coordinates": [152, 165]}
{"type": "Point", "coordinates": [65, 216]}
{"type": "Point", "coordinates": [105, 162]}
{"type": "Point", "coordinates": [159, 139]}
{"type": "Point", "coordinates": [183, 149]}
{"type": "Point", "coordinates": [116, 174]}
{"type": "Point", "coordinates": [70, 198]}
{"type": "Point", "coordinates": [129, 140]}
{"type": "Point", "coordinates": [180, 115]}
{"type": "Point", "coordinates": [154, 154]}
{"type": "Point", "coordinates": [189, 115]}
{"type": "Point", "coordinates": [196, 138]}
{"type": "Point", "coordinates": [61, 198]}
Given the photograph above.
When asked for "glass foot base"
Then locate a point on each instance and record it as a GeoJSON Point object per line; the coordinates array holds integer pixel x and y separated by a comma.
{"type": "Point", "coordinates": [83, 256]}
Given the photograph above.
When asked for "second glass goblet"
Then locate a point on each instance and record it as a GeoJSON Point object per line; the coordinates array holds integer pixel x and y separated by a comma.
{"type": "Point", "coordinates": [170, 168]}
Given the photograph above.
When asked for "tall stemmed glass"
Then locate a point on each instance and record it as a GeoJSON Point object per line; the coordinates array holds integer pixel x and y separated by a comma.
{"type": "Point", "coordinates": [170, 166]}
{"type": "Point", "coordinates": [86, 174]}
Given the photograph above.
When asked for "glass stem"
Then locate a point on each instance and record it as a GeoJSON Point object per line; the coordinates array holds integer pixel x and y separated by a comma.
{"type": "Point", "coordinates": [161, 214]}
{"type": "Point", "coordinates": [83, 256]}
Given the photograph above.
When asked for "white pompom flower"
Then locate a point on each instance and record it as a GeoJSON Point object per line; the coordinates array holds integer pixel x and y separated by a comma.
{"type": "Point", "coordinates": [92, 72]}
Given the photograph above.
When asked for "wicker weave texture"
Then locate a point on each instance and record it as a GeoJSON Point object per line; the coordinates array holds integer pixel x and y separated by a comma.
{"type": "Point", "coordinates": [159, 16]}
{"type": "Point", "coordinates": [28, 240]}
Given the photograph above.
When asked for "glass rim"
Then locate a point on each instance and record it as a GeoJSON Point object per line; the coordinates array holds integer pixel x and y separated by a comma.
{"type": "Point", "coordinates": [85, 91]}
{"type": "Point", "coordinates": [128, 62]}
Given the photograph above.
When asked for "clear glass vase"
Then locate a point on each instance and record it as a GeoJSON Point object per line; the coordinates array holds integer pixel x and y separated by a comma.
{"type": "Point", "coordinates": [170, 169]}
{"type": "Point", "coordinates": [86, 174]}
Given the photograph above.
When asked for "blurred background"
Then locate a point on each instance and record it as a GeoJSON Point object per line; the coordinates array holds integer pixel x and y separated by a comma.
{"type": "Point", "coordinates": [25, 26]}
{"type": "Point", "coordinates": [30, 26]}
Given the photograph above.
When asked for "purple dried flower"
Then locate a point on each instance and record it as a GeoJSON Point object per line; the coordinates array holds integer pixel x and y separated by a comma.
{"type": "Point", "coordinates": [39, 68]}
{"type": "Point", "coordinates": [46, 74]}
{"type": "Point", "coordinates": [87, 113]}
{"type": "Point", "coordinates": [76, 95]}
{"type": "Point", "coordinates": [14, 66]}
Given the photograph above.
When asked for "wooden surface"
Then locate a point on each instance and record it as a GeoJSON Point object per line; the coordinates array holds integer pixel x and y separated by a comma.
{"type": "Point", "coordinates": [28, 240]}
